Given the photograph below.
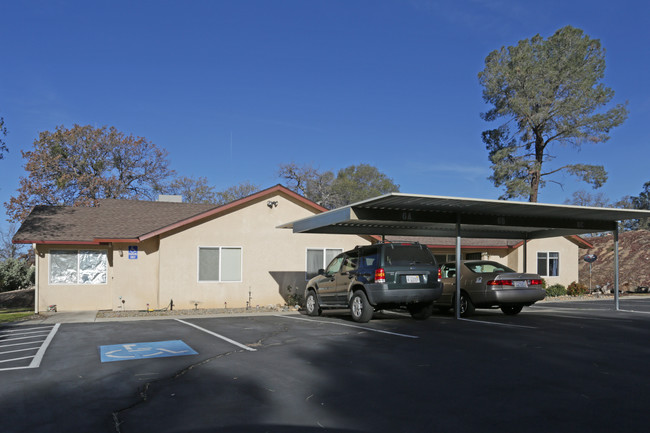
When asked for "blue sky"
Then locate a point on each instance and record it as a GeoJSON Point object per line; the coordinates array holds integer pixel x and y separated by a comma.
{"type": "Point", "coordinates": [232, 89]}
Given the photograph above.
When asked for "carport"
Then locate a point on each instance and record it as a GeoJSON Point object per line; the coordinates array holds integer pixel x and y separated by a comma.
{"type": "Point", "coordinates": [427, 215]}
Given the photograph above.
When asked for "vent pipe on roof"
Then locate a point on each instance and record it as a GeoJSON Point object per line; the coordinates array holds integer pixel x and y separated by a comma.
{"type": "Point", "coordinates": [170, 198]}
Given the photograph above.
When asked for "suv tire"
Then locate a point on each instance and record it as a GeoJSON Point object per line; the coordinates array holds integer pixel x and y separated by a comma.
{"type": "Point", "coordinates": [360, 307]}
{"type": "Point", "coordinates": [311, 304]}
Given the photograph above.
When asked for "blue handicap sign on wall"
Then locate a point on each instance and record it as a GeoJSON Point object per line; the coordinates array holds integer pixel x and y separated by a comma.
{"type": "Point", "coordinates": [156, 349]}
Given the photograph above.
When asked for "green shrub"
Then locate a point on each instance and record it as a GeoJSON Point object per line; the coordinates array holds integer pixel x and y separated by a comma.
{"type": "Point", "coordinates": [555, 290]}
{"type": "Point", "coordinates": [293, 297]}
{"type": "Point", "coordinates": [15, 274]}
{"type": "Point", "coordinates": [577, 289]}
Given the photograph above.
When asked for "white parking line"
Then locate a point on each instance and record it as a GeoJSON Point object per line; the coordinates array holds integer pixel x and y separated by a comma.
{"type": "Point", "coordinates": [497, 323]}
{"type": "Point", "coordinates": [636, 311]}
{"type": "Point", "coordinates": [250, 349]}
{"type": "Point", "coordinates": [36, 358]}
{"type": "Point", "coordinates": [348, 325]}
{"type": "Point", "coordinates": [36, 362]}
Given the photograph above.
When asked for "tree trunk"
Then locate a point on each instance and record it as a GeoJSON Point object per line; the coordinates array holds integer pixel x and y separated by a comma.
{"type": "Point", "coordinates": [536, 174]}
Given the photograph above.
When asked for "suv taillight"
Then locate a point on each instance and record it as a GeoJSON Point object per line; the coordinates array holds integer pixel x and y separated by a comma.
{"type": "Point", "coordinates": [380, 275]}
{"type": "Point", "coordinates": [439, 274]}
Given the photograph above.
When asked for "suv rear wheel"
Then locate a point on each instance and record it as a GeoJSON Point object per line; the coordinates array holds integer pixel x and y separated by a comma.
{"type": "Point", "coordinates": [360, 307]}
{"type": "Point", "coordinates": [311, 304]}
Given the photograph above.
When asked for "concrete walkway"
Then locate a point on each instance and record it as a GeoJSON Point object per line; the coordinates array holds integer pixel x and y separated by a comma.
{"type": "Point", "coordinates": [65, 317]}
{"type": "Point", "coordinates": [91, 317]}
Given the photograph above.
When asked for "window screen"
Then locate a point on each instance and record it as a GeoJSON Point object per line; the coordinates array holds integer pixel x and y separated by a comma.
{"type": "Point", "coordinates": [209, 264]}
{"type": "Point", "coordinates": [231, 264]}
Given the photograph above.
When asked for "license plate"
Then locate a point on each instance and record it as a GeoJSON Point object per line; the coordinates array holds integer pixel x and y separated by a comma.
{"type": "Point", "coordinates": [412, 279]}
{"type": "Point", "coordinates": [520, 283]}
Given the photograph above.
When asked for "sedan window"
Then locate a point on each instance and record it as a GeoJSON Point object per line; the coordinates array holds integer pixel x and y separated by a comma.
{"type": "Point", "coordinates": [448, 271]}
{"type": "Point", "coordinates": [487, 267]}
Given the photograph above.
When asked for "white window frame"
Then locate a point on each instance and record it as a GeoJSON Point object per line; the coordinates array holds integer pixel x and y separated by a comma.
{"type": "Point", "coordinates": [78, 270]}
{"type": "Point", "coordinates": [220, 248]}
{"type": "Point", "coordinates": [548, 263]}
{"type": "Point", "coordinates": [325, 261]}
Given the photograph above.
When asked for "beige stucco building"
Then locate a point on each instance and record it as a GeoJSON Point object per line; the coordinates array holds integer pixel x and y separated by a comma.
{"type": "Point", "coordinates": [138, 255]}
{"type": "Point", "coordinates": [135, 255]}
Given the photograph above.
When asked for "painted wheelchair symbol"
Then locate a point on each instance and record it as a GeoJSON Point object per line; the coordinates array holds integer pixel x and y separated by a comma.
{"type": "Point", "coordinates": [159, 349]}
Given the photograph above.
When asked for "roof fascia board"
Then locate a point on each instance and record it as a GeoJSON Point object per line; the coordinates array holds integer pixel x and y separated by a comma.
{"type": "Point", "coordinates": [314, 223]}
{"type": "Point", "coordinates": [43, 242]}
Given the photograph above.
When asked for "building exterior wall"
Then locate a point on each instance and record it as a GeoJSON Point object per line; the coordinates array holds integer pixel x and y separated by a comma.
{"type": "Point", "coordinates": [272, 259]}
{"type": "Point", "coordinates": [165, 267]}
{"type": "Point", "coordinates": [135, 276]}
{"type": "Point", "coordinates": [569, 252]}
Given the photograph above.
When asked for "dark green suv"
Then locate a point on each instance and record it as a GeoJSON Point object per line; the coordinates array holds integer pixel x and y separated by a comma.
{"type": "Point", "coordinates": [375, 277]}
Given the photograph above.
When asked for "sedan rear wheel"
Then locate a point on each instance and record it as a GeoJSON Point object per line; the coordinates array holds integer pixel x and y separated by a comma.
{"type": "Point", "coordinates": [466, 305]}
{"type": "Point", "coordinates": [511, 310]}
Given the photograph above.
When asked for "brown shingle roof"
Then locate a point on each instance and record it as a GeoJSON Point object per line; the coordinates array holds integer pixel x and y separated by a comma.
{"type": "Point", "coordinates": [110, 219]}
{"type": "Point", "coordinates": [114, 220]}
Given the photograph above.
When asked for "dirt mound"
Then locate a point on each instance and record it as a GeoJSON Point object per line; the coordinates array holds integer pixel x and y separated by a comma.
{"type": "Point", "coordinates": [634, 261]}
{"type": "Point", "coordinates": [17, 299]}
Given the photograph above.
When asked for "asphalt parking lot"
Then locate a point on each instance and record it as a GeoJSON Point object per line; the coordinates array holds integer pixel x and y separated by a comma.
{"type": "Point", "coordinates": [571, 366]}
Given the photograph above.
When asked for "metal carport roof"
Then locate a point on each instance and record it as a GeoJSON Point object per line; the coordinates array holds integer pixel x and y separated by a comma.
{"type": "Point", "coordinates": [428, 215]}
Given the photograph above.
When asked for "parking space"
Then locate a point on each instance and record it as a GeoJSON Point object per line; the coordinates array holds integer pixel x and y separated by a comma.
{"type": "Point", "coordinates": [556, 366]}
{"type": "Point", "coordinates": [24, 346]}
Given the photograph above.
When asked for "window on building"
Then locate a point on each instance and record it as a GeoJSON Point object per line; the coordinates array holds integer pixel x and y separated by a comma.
{"type": "Point", "coordinates": [220, 264]}
{"type": "Point", "coordinates": [319, 258]}
{"type": "Point", "coordinates": [78, 267]}
{"type": "Point", "coordinates": [548, 264]}
{"type": "Point", "coordinates": [444, 258]}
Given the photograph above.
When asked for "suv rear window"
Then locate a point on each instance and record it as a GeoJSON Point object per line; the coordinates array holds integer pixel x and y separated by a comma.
{"type": "Point", "coordinates": [369, 258]}
{"type": "Point", "coordinates": [405, 255]}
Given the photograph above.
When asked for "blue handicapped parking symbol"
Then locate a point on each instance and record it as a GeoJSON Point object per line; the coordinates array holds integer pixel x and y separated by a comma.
{"type": "Point", "coordinates": [157, 349]}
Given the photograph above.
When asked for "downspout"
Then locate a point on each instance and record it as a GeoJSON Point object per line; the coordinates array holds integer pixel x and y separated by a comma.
{"type": "Point", "coordinates": [37, 258]}
{"type": "Point", "coordinates": [458, 240]}
{"type": "Point", "coordinates": [616, 274]}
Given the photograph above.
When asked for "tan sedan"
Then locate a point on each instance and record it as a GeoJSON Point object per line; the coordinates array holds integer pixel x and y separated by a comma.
{"type": "Point", "coordinates": [487, 284]}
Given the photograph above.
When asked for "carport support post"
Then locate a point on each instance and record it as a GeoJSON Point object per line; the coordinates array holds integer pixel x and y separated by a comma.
{"type": "Point", "coordinates": [457, 309]}
{"type": "Point", "coordinates": [526, 254]}
{"type": "Point", "coordinates": [616, 266]}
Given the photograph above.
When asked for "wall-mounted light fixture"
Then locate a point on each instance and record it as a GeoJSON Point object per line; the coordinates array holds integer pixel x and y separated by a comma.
{"type": "Point", "coordinates": [272, 204]}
